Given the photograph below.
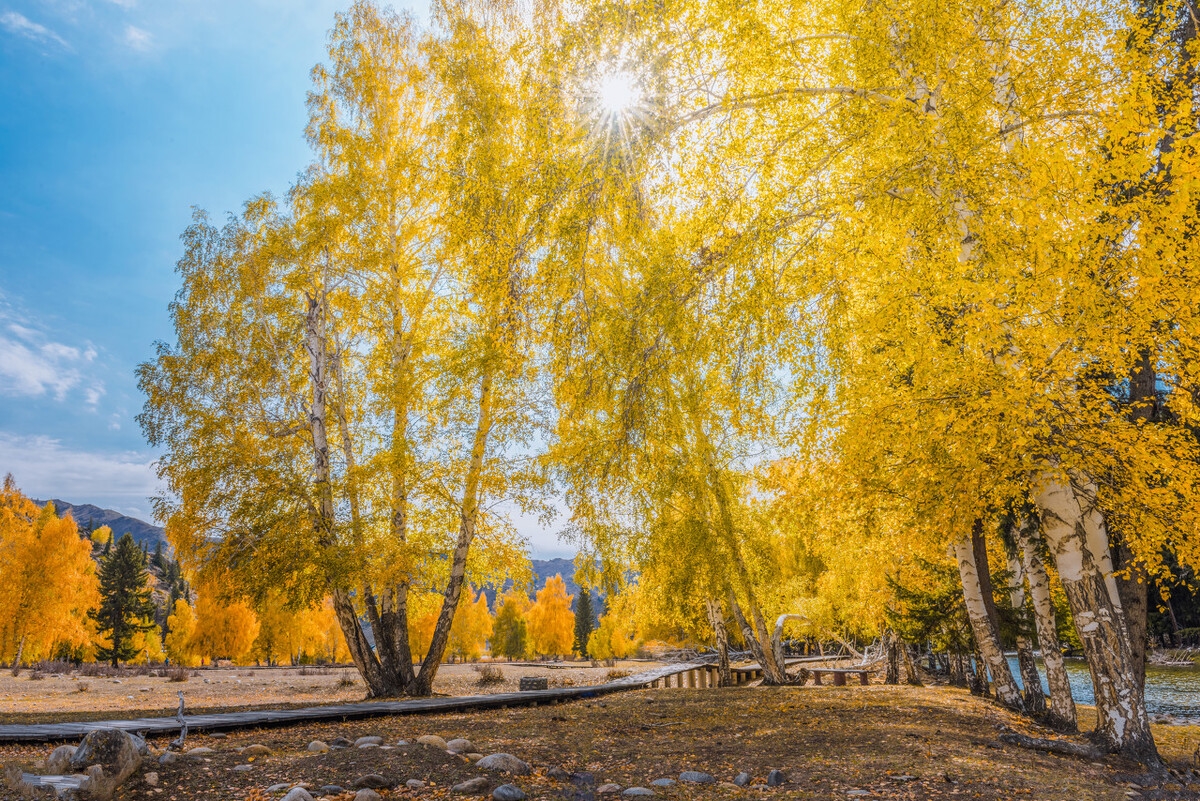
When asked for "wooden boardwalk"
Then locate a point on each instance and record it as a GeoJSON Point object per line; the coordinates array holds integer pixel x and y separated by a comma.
{"type": "Point", "coordinates": [225, 721]}
{"type": "Point", "coordinates": [687, 674]}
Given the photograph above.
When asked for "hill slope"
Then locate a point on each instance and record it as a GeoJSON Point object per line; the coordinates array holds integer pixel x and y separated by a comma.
{"type": "Point", "coordinates": [88, 516]}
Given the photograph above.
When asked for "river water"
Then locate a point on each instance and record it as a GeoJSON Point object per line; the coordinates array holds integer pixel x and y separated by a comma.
{"type": "Point", "coordinates": [1170, 691]}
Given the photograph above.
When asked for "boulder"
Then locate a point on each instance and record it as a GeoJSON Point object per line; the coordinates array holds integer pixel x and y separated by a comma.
{"type": "Point", "coordinates": [255, 750]}
{"type": "Point", "coordinates": [506, 763]}
{"type": "Point", "coordinates": [583, 779]}
{"type": "Point", "coordinates": [331, 789]}
{"type": "Point", "coordinates": [558, 774]}
{"type": "Point", "coordinates": [168, 758]}
{"type": "Point", "coordinates": [474, 756]}
{"type": "Point", "coordinates": [60, 759]}
{"type": "Point", "coordinates": [368, 740]}
{"type": "Point", "coordinates": [414, 784]}
{"type": "Point", "coordinates": [367, 794]}
{"type": "Point", "coordinates": [432, 740]}
{"type": "Point", "coordinates": [372, 781]}
{"type": "Point", "coordinates": [608, 789]}
{"type": "Point", "coordinates": [318, 747]}
{"type": "Point", "coordinates": [743, 779]}
{"type": "Point", "coordinates": [471, 786]}
{"type": "Point", "coordinates": [775, 778]}
{"type": "Point", "coordinates": [508, 792]}
{"type": "Point", "coordinates": [460, 746]}
{"type": "Point", "coordinates": [663, 783]}
{"type": "Point", "coordinates": [697, 777]}
{"type": "Point", "coordinates": [199, 750]}
{"type": "Point", "coordinates": [109, 756]}
{"type": "Point", "coordinates": [297, 794]}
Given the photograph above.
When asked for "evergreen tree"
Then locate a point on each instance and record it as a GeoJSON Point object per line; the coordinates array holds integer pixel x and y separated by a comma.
{"type": "Point", "coordinates": [125, 604]}
{"type": "Point", "coordinates": [157, 560]}
{"type": "Point", "coordinates": [585, 621]}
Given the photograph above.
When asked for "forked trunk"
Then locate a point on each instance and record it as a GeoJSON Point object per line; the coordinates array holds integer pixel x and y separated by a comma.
{"type": "Point", "coordinates": [1073, 525]}
{"type": "Point", "coordinates": [987, 639]}
{"type": "Point", "coordinates": [1061, 713]}
{"type": "Point", "coordinates": [422, 684]}
{"type": "Point", "coordinates": [891, 673]}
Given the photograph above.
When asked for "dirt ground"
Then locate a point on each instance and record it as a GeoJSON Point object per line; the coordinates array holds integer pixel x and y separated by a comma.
{"type": "Point", "coordinates": [831, 743]}
{"type": "Point", "coordinates": [60, 697]}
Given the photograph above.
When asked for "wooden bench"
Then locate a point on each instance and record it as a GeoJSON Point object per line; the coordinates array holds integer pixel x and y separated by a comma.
{"type": "Point", "coordinates": [839, 675]}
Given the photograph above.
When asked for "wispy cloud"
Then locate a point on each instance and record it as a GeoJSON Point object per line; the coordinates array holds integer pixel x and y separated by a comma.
{"type": "Point", "coordinates": [46, 468]}
{"type": "Point", "coordinates": [21, 25]}
{"type": "Point", "coordinates": [33, 365]}
{"type": "Point", "coordinates": [138, 39]}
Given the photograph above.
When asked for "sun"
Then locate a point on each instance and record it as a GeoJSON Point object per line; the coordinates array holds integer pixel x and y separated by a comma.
{"type": "Point", "coordinates": [617, 93]}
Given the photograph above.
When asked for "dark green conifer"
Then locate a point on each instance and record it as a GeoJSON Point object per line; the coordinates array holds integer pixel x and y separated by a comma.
{"type": "Point", "coordinates": [125, 604]}
{"type": "Point", "coordinates": [584, 621]}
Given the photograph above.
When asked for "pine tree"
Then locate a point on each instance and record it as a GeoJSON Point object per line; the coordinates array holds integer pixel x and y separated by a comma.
{"type": "Point", "coordinates": [584, 622]}
{"type": "Point", "coordinates": [125, 606]}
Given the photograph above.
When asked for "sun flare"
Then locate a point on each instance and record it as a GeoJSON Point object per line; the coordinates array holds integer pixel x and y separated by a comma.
{"type": "Point", "coordinates": [617, 93]}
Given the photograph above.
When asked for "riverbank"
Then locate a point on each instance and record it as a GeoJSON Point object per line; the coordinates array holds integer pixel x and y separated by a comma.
{"type": "Point", "coordinates": [828, 743]}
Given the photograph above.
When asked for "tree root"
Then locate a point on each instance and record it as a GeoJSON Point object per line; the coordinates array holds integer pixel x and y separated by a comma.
{"type": "Point", "coordinates": [1064, 747]}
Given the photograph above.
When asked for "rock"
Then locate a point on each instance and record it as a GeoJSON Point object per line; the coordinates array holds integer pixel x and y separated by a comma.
{"type": "Point", "coordinates": [432, 740]}
{"type": "Point", "coordinates": [109, 756]}
{"type": "Point", "coordinates": [608, 789]}
{"type": "Point", "coordinates": [697, 777]}
{"type": "Point", "coordinates": [318, 747]}
{"type": "Point", "coordinates": [370, 745]}
{"type": "Point", "coordinates": [634, 792]}
{"type": "Point", "coordinates": [471, 786]}
{"type": "Point", "coordinates": [729, 786]}
{"type": "Point", "coordinates": [144, 690]}
{"type": "Point", "coordinates": [168, 758]}
{"type": "Point", "coordinates": [506, 763]}
{"type": "Point", "coordinates": [474, 756]}
{"type": "Point", "coordinates": [663, 783]}
{"type": "Point", "coordinates": [460, 746]}
{"type": "Point", "coordinates": [140, 744]}
{"type": "Point", "coordinates": [257, 749]}
{"type": "Point", "coordinates": [199, 750]}
{"type": "Point", "coordinates": [243, 768]}
{"type": "Point", "coordinates": [331, 789]}
{"type": "Point", "coordinates": [60, 759]}
{"type": "Point", "coordinates": [401, 743]}
{"type": "Point", "coordinates": [775, 778]}
{"type": "Point", "coordinates": [372, 781]}
{"type": "Point", "coordinates": [278, 788]}
{"type": "Point", "coordinates": [368, 740]}
{"type": "Point", "coordinates": [367, 794]}
{"type": "Point", "coordinates": [558, 774]}
{"type": "Point", "coordinates": [583, 779]}
{"type": "Point", "coordinates": [340, 742]}
{"type": "Point", "coordinates": [150, 778]}
{"type": "Point", "coordinates": [414, 784]}
{"type": "Point", "coordinates": [508, 792]}
{"type": "Point", "coordinates": [218, 735]}
{"type": "Point", "coordinates": [743, 779]}
{"type": "Point", "coordinates": [297, 794]}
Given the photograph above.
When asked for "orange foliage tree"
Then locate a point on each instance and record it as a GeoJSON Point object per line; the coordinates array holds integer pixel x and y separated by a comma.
{"type": "Point", "coordinates": [550, 620]}
{"type": "Point", "coordinates": [225, 629]}
{"type": "Point", "coordinates": [47, 581]}
{"type": "Point", "coordinates": [471, 628]}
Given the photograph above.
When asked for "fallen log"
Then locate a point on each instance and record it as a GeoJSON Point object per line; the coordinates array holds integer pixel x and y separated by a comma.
{"type": "Point", "coordinates": [1064, 747]}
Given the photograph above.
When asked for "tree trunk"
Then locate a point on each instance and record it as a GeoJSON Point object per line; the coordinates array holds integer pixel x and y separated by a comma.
{"type": "Point", "coordinates": [717, 619]}
{"type": "Point", "coordinates": [1035, 700]}
{"type": "Point", "coordinates": [422, 684]}
{"type": "Point", "coordinates": [983, 625]}
{"type": "Point", "coordinates": [891, 674]}
{"type": "Point", "coordinates": [16, 665]}
{"type": "Point", "coordinates": [323, 514]}
{"type": "Point", "coordinates": [911, 677]}
{"type": "Point", "coordinates": [1071, 523]}
{"type": "Point", "coordinates": [1061, 713]}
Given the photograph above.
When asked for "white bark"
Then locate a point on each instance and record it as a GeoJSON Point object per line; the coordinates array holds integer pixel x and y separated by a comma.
{"type": "Point", "coordinates": [981, 624]}
{"type": "Point", "coordinates": [1062, 705]}
{"type": "Point", "coordinates": [1071, 531]}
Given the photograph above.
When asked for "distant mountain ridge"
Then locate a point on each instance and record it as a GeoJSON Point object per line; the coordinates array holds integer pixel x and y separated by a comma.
{"type": "Point", "coordinates": [86, 514]}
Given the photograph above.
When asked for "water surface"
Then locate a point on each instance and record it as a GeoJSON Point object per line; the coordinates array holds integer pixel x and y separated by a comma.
{"type": "Point", "coordinates": [1170, 691]}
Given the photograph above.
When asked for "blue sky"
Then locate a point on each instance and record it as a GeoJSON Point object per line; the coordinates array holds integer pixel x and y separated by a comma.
{"type": "Point", "coordinates": [116, 118]}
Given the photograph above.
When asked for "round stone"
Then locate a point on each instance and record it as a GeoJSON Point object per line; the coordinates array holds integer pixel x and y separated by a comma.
{"type": "Point", "coordinates": [460, 746]}
{"type": "Point", "coordinates": [634, 792]}
{"type": "Point", "coordinates": [414, 784]}
{"type": "Point", "coordinates": [297, 794]}
{"type": "Point", "coordinates": [258, 749]}
{"type": "Point", "coordinates": [368, 740]}
{"type": "Point", "coordinates": [608, 789]}
{"type": "Point", "coordinates": [432, 740]}
{"type": "Point", "coordinates": [508, 792]}
{"type": "Point", "coordinates": [471, 786]}
{"type": "Point", "coordinates": [367, 794]}
{"type": "Point", "coordinates": [506, 763]}
{"type": "Point", "coordinates": [663, 783]}
{"type": "Point", "coordinates": [743, 779]}
{"type": "Point", "coordinates": [372, 781]}
{"type": "Point", "coordinates": [243, 768]}
{"type": "Point", "coordinates": [318, 747]}
{"type": "Point", "coordinates": [697, 777]}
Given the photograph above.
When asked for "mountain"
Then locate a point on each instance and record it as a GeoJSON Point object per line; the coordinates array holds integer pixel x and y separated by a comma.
{"type": "Point", "coordinates": [86, 515]}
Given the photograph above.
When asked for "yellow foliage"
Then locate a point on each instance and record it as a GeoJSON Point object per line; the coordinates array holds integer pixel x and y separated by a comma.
{"type": "Point", "coordinates": [423, 610]}
{"type": "Point", "coordinates": [550, 620]}
{"type": "Point", "coordinates": [225, 629]}
{"type": "Point", "coordinates": [47, 580]}
{"type": "Point", "coordinates": [102, 535]}
{"type": "Point", "coordinates": [181, 624]}
{"type": "Point", "coordinates": [616, 636]}
{"type": "Point", "coordinates": [471, 629]}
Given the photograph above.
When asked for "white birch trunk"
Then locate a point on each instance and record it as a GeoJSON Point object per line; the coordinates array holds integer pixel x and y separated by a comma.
{"type": "Point", "coordinates": [1035, 701]}
{"type": "Point", "coordinates": [1122, 724]}
{"type": "Point", "coordinates": [986, 636]}
{"type": "Point", "coordinates": [1062, 705]}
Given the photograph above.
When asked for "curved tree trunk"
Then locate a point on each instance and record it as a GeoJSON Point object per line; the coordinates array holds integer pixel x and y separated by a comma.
{"type": "Point", "coordinates": [982, 624]}
{"type": "Point", "coordinates": [1073, 525]}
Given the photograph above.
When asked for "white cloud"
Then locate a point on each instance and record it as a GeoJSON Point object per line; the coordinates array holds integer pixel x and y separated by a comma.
{"type": "Point", "coordinates": [21, 25]}
{"type": "Point", "coordinates": [137, 38]}
{"type": "Point", "coordinates": [33, 365]}
{"type": "Point", "coordinates": [114, 422]}
{"type": "Point", "coordinates": [124, 3]}
{"type": "Point", "coordinates": [45, 468]}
